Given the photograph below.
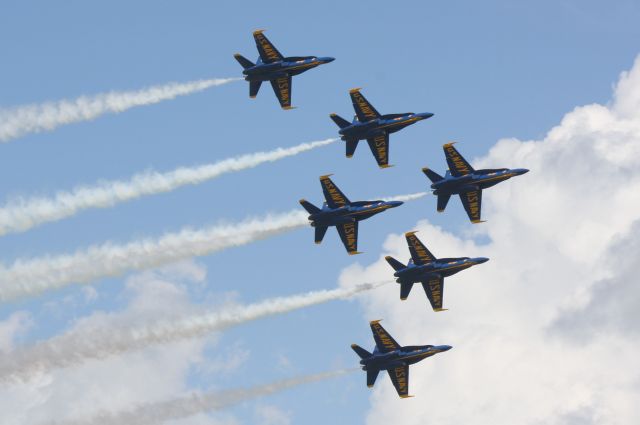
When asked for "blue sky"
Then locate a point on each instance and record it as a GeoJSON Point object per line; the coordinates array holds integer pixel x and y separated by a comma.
{"type": "Point", "coordinates": [487, 70]}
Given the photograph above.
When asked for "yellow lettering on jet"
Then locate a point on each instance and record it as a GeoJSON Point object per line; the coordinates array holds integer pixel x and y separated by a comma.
{"type": "Point", "coordinates": [268, 49]}
{"type": "Point", "coordinates": [364, 106]}
{"type": "Point", "coordinates": [474, 207]}
{"type": "Point", "coordinates": [384, 337]}
{"type": "Point", "coordinates": [350, 234]}
{"type": "Point", "coordinates": [401, 379]}
{"type": "Point", "coordinates": [335, 195]}
{"type": "Point", "coordinates": [419, 248]}
{"type": "Point", "coordinates": [283, 88]}
{"type": "Point", "coordinates": [436, 294]}
{"type": "Point", "coordinates": [381, 148]}
{"type": "Point", "coordinates": [457, 160]}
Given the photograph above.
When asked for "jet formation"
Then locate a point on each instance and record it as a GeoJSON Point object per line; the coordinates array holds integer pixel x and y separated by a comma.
{"type": "Point", "coordinates": [339, 211]}
{"type": "Point", "coordinates": [395, 359]}
{"type": "Point", "coordinates": [430, 271]}
{"type": "Point", "coordinates": [275, 68]}
{"type": "Point", "coordinates": [368, 124]}
{"type": "Point", "coordinates": [461, 179]}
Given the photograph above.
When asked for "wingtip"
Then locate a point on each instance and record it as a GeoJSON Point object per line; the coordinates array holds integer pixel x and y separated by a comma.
{"type": "Point", "coordinates": [260, 31]}
{"type": "Point", "coordinates": [449, 144]}
{"type": "Point", "coordinates": [252, 97]}
{"type": "Point", "coordinates": [440, 211]}
{"type": "Point", "coordinates": [413, 232]}
{"type": "Point", "coordinates": [318, 242]}
{"type": "Point", "coordinates": [478, 221]}
{"type": "Point", "coordinates": [349, 156]}
{"type": "Point", "coordinates": [403, 299]}
{"type": "Point", "coordinates": [355, 90]}
{"type": "Point", "coordinates": [326, 176]}
{"type": "Point", "coordinates": [385, 166]}
{"type": "Point", "coordinates": [288, 108]}
{"type": "Point", "coordinates": [354, 345]}
{"type": "Point", "coordinates": [369, 386]}
{"type": "Point", "coordinates": [373, 322]}
{"type": "Point", "coordinates": [355, 252]}
{"type": "Point", "coordinates": [438, 310]}
{"type": "Point", "coordinates": [406, 396]}
{"type": "Point", "coordinates": [425, 169]}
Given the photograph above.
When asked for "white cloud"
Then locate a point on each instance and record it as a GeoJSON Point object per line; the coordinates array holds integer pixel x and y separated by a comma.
{"type": "Point", "coordinates": [545, 332]}
{"type": "Point", "coordinates": [266, 414]}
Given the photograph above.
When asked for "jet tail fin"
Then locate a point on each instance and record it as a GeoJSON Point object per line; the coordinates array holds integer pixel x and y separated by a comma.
{"type": "Point", "coordinates": [311, 209]}
{"type": "Point", "coordinates": [340, 122]}
{"type": "Point", "coordinates": [433, 176]}
{"type": "Point", "coordinates": [360, 351]}
{"type": "Point", "coordinates": [246, 63]}
{"type": "Point", "coordinates": [397, 265]}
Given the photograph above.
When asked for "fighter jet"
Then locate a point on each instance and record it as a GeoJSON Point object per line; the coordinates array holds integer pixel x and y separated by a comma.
{"type": "Point", "coordinates": [461, 179]}
{"type": "Point", "coordinates": [425, 268]}
{"type": "Point", "coordinates": [390, 356]}
{"type": "Point", "coordinates": [275, 68]}
{"type": "Point", "coordinates": [338, 211]}
{"type": "Point", "coordinates": [375, 128]}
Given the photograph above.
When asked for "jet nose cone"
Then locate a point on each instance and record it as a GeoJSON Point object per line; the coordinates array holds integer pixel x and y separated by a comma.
{"type": "Point", "coordinates": [425, 115]}
{"type": "Point", "coordinates": [520, 171]}
{"type": "Point", "coordinates": [445, 347]}
{"type": "Point", "coordinates": [481, 260]}
{"type": "Point", "coordinates": [327, 59]}
{"type": "Point", "coordinates": [393, 204]}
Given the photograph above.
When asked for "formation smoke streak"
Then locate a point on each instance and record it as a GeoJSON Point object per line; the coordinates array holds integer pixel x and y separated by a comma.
{"type": "Point", "coordinates": [23, 214]}
{"type": "Point", "coordinates": [152, 413]}
{"type": "Point", "coordinates": [35, 118]}
{"type": "Point", "coordinates": [76, 347]}
{"type": "Point", "coordinates": [33, 276]}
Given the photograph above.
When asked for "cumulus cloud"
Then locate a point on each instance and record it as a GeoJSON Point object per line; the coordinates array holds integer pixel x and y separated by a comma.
{"type": "Point", "coordinates": [531, 329]}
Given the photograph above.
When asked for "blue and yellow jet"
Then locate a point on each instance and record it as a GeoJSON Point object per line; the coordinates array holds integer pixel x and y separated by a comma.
{"type": "Point", "coordinates": [275, 68]}
{"type": "Point", "coordinates": [425, 268]}
{"type": "Point", "coordinates": [461, 179]}
{"type": "Point", "coordinates": [390, 356]}
{"type": "Point", "coordinates": [338, 211]}
{"type": "Point", "coordinates": [375, 128]}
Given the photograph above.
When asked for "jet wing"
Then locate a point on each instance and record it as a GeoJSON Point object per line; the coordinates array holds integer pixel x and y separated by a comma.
{"type": "Point", "coordinates": [282, 89]}
{"type": "Point", "coordinates": [379, 146]}
{"type": "Point", "coordinates": [384, 341]}
{"type": "Point", "coordinates": [434, 288]}
{"type": "Point", "coordinates": [400, 378]}
{"type": "Point", "coordinates": [419, 253]}
{"type": "Point", "coordinates": [364, 110]}
{"type": "Point", "coordinates": [457, 164]}
{"type": "Point", "coordinates": [334, 196]}
{"type": "Point", "coordinates": [268, 52]}
{"type": "Point", "coordinates": [472, 202]}
{"type": "Point", "coordinates": [349, 234]}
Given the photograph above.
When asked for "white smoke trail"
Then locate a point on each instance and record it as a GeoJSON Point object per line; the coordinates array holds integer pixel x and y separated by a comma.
{"type": "Point", "coordinates": [20, 120]}
{"type": "Point", "coordinates": [406, 198]}
{"type": "Point", "coordinates": [76, 347]}
{"type": "Point", "coordinates": [22, 214]}
{"type": "Point", "coordinates": [158, 412]}
{"type": "Point", "coordinates": [33, 276]}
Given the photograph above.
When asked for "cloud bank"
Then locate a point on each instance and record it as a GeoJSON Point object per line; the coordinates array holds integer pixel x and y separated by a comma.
{"type": "Point", "coordinates": [547, 331]}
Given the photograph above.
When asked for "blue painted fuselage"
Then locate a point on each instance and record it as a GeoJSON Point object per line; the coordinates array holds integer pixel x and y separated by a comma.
{"type": "Point", "coordinates": [443, 267]}
{"type": "Point", "coordinates": [476, 180]}
{"type": "Point", "coordinates": [384, 124]}
{"type": "Point", "coordinates": [403, 356]}
{"type": "Point", "coordinates": [353, 212]}
{"type": "Point", "coordinates": [286, 67]}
